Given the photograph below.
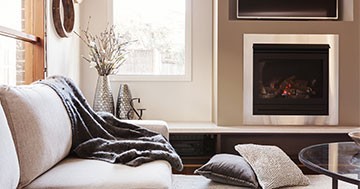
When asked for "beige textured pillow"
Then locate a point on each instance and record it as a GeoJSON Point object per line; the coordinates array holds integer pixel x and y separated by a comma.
{"type": "Point", "coordinates": [272, 166]}
{"type": "Point", "coordinates": [9, 165]}
{"type": "Point", "coordinates": [40, 127]}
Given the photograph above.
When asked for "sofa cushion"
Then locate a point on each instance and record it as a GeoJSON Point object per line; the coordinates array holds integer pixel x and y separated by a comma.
{"type": "Point", "coordinates": [40, 127]}
{"type": "Point", "coordinates": [9, 166]}
{"type": "Point", "coordinates": [77, 173]}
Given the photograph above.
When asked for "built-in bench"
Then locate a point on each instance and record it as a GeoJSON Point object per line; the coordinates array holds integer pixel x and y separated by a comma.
{"type": "Point", "coordinates": [220, 139]}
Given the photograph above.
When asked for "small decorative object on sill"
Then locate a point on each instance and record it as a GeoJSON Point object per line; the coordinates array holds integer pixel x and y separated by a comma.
{"type": "Point", "coordinates": [133, 110]}
{"type": "Point", "coordinates": [107, 52]}
{"type": "Point", "coordinates": [103, 100]}
{"type": "Point", "coordinates": [123, 108]}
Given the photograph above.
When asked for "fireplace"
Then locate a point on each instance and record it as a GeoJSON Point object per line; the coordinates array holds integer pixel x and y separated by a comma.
{"type": "Point", "coordinates": [290, 79]}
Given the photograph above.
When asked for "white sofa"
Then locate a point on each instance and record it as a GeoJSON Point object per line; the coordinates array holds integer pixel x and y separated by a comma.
{"type": "Point", "coordinates": [35, 141]}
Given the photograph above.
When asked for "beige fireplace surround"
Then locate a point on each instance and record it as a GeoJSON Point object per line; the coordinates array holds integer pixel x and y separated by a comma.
{"type": "Point", "coordinates": [331, 39]}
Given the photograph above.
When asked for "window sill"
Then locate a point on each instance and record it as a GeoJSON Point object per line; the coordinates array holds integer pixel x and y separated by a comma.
{"type": "Point", "coordinates": [186, 78]}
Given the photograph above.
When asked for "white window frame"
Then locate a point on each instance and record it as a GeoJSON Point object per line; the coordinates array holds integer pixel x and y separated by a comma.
{"type": "Point", "coordinates": [188, 52]}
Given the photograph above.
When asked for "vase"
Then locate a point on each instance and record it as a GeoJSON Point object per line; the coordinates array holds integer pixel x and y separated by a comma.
{"type": "Point", "coordinates": [103, 100]}
{"type": "Point", "coordinates": [123, 107]}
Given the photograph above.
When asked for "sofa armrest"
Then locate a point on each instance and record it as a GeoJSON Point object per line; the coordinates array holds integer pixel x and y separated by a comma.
{"type": "Point", "coordinates": [154, 125]}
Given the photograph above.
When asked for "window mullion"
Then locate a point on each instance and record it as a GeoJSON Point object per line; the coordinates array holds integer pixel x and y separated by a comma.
{"type": "Point", "coordinates": [35, 62]}
{"type": "Point", "coordinates": [8, 32]}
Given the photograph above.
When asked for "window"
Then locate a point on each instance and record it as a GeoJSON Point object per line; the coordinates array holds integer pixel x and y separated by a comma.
{"type": "Point", "coordinates": [21, 41]}
{"type": "Point", "coordinates": [161, 30]}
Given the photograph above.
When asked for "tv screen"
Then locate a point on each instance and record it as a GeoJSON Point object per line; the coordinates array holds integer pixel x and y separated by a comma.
{"type": "Point", "coordinates": [287, 9]}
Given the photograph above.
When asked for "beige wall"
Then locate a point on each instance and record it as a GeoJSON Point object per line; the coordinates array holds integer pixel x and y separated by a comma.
{"type": "Point", "coordinates": [230, 56]}
{"type": "Point", "coordinates": [62, 53]}
{"type": "Point", "coordinates": [193, 101]}
{"type": "Point", "coordinates": [169, 101]}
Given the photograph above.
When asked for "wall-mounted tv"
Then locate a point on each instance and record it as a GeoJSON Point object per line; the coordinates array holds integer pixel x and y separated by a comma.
{"type": "Point", "coordinates": [287, 9]}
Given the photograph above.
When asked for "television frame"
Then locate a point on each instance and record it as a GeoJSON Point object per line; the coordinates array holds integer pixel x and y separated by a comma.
{"type": "Point", "coordinates": [289, 17]}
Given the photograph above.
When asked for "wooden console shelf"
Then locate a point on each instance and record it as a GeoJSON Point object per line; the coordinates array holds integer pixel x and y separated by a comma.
{"type": "Point", "coordinates": [289, 138]}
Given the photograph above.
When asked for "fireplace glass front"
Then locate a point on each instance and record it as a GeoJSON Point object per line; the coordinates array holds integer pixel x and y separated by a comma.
{"type": "Point", "coordinates": [291, 79]}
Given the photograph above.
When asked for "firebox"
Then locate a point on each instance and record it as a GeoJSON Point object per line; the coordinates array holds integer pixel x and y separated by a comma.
{"type": "Point", "coordinates": [291, 79]}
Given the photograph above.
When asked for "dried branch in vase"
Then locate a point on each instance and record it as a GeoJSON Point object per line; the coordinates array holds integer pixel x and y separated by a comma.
{"type": "Point", "coordinates": [107, 51]}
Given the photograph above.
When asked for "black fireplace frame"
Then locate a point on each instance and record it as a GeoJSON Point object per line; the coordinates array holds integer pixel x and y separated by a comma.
{"type": "Point", "coordinates": [313, 52]}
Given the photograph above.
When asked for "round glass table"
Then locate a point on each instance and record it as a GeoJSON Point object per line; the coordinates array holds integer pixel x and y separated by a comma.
{"type": "Point", "coordinates": [340, 161]}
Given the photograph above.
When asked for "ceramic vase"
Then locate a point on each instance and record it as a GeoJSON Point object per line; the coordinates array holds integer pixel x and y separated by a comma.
{"type": "Point", "coordinates": [123, 107]}
{"type": "Point", "coordinates": [103, 100]}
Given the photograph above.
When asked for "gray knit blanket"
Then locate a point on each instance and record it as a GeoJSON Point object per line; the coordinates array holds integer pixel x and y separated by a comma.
{"type": "Point", "coordinates": [102, 136]}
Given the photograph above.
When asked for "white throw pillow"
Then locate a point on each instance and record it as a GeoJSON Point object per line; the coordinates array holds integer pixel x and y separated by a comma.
{"type": "Point", "coordinates": [272, 166]}
{"type": "Point", "coordinates": [39, 125]}
{"type": "Point", "coordinates": [9, 166]}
